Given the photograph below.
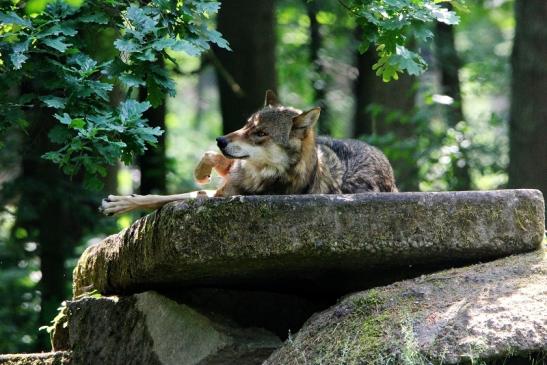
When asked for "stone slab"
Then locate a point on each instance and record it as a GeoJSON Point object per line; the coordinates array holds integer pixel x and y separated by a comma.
{"type": "Point", "coordinates": [311, 242]}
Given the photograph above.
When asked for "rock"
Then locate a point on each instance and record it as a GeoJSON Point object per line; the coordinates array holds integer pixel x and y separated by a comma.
{"type": "Point", "coordinates": [315, 243]}
{"type": "Point", "coordinates": [148, 328]}
{"type": "Point", "coordinates": [44, 358]}
{"type": "Point", "coordinates": [487, 313]}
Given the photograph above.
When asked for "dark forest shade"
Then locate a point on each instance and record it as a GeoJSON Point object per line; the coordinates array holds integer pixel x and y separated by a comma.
{"type": "Point", "coordinates": [153, 163]}
{"type": "Point", "coordinates": [396, 96]}
{"type": "Point", "coordinates": [50, 211]}
{"type": "Point", "coordinates": [528, 120]}
{"type": "Point", "coordinates": [248, 25]}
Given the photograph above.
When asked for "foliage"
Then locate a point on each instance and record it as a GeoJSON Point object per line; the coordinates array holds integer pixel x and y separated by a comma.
{"type": "Point", "coordinates": [48, 63]}
{"type": "Point", "coordinates": [392, 25]}
{"type": "Point", "coordinates": [483, 39]}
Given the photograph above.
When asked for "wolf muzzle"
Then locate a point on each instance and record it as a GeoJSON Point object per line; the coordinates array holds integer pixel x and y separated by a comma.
{"type": "Point", "coordinates": [222, 142]}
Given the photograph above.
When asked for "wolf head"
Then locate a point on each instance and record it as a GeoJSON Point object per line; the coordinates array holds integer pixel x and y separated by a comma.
{"type": "Point", "coordinates": [273, 136]}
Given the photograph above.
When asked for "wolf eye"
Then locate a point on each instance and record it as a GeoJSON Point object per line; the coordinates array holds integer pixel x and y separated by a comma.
{"type": "Point", "coordinates": [261, 134]}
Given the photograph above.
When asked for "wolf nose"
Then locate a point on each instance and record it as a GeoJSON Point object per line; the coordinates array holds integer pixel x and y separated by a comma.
{"type": "Point", "coordinates": [221, 142]}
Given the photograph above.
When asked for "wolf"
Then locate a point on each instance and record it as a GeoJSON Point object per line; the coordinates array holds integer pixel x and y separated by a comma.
{"type": "Point", "coordinates": [277, 152]}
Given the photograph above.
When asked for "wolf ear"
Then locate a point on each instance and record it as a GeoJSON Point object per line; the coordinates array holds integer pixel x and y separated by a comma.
{"type": "Point", "coordinates": [305, 121]}
{"type": "Point", "coordinates": [271, 99]}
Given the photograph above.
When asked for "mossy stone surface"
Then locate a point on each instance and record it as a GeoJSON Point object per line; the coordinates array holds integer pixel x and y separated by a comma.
{"type": "Point", "coordinates": [493, 313]}
{"type": "Point", "coordinates": [44, 358]}
{"type": "Point", "coordinates": [310, 242]}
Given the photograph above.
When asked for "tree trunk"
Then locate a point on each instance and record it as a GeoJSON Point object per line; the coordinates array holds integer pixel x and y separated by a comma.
{"type": "Point", "coordinates": [396, 96]}
{"type": "Point", "coordinates": [249, 27]}
{"type": "Point", "coordinates": [528, 119]}
{"type": "Point", "coordinates": [362, 89]}
{"type": "Point", "coordinates": [449, 66]}
{"type": "Point", "coordinates": [318, 79]}
{"type": "Point", "coordinates": [51, 210]}
{"type": "Point", "coordinates": [153, 163]}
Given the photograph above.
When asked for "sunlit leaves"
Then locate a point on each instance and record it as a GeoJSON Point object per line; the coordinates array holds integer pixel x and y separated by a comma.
{"type": "Point", "coordinates": [12, 18]}
{"type": "Point", "coordinates": [392, 26]}
{"type": "Point", "coordinates": [45, 44]}
{"type": "Point", "coordinates": [54, 101]}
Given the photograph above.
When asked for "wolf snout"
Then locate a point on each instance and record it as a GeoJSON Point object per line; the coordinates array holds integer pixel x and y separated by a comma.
{"type": "Point", "coordinates": [222, 142]}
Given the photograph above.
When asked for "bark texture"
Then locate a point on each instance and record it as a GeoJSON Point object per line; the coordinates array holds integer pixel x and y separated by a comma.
{"type": "Point", "coordinates": [248, 25]}
{"type": "Point", "coordinates": [490, 313]}
{"type": "Point", "coordinates": [310, 243]}
{"type": "Point", "coordinates": [528, 120]}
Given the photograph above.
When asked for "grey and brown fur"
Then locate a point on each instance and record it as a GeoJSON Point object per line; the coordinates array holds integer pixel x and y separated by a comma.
{"type": "Point", "coordinates": [277, 152]}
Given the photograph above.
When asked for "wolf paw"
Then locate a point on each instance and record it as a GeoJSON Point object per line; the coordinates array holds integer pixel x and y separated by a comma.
{"type": "Point", "coordinates": [115, 204]}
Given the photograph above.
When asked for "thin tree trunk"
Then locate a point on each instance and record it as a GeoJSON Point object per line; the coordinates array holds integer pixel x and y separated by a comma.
{"type": "Point", "coordinates": [449, 67]}
{"type": "Point", "coordinates": [50, 210]}
{"type": "Point", "coordinates": [318, 81]}
{"type": "Point", "coordinates": [528, 119]}
{"type": "Point", "coordinates": [249, 27]}
{"type": "Point", "coordinates": [362, 89]}
{"type": "Point", "coordinates": [153, 163]}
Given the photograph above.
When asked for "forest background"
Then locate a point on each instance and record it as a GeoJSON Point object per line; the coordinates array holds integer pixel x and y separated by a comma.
{"type": "Point", "coordinates": [115, 97]}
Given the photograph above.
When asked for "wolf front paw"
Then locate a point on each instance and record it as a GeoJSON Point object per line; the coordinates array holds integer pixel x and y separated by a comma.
{"type": "Point", "coordinates": [115, 204]}
{"type": "Point", "coordinates": [203, 170]}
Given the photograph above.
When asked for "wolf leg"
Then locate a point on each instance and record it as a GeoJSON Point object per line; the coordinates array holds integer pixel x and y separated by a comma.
{"type": "Point", "coordinates": [115, 204]}
{"type": "Point", "coordinates": [212, 160]}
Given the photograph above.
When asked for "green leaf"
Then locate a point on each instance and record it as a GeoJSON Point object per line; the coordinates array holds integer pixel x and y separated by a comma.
{"type": "Point", "coordinates": [130, 80]}
{"type": "Point", "coordinates": [66, 28]}
{"type": "Point", "coordinates": [65, 118]}
{"type": "Point", "coordinates": [147, 55]}
{"type": "Point", "coordinates": [56, 43]}
{"type": "Point", "coordinates": [216, 37]}
{"type": "Point", "coordinates": [126, 45]}
{"type": "Point", "coordinates": [408, 60]}
{"type": "Point", "coordinates": [209, 7]}
{"type": "Point", "coordinates": [189, 48]}
{"type": "Point", "coordinates": [77, 123]}
{"type": "Point", "coordinates": [12, 18]}
{"type": "Point", "coordinates": [98, 18]}
{"type": "Point", "coordinates": [132, 109]}
{"type": "Point", "coordinates": [54, 101]}
{"type": "Point", "coordinates": [443, 15]}
{"type": "Point", "coordinates": [163, 43]}
{"type": "Point", "coordinates": [17, 59]}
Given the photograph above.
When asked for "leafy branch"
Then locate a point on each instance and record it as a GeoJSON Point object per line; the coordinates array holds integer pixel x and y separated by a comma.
{"type": "Point", "coordinates": [391, 26]}
{"type": "Point", "coordinates": [48, 61]}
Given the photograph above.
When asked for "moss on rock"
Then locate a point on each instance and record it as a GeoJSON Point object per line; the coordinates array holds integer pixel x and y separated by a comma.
{"type": "Point", "coordinates": [343, 242]}
{"type": "Point", "coordinates": [481, 314]}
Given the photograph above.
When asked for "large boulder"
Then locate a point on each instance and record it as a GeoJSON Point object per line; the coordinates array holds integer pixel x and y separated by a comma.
{"type": "Point", "coordinates": [493, 313]}
{"type": "Point", "coordinates": [148, 328]}
{"type": "Point", "coordinates": [311, 243]}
